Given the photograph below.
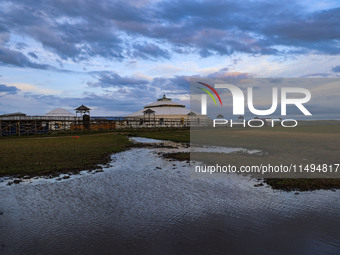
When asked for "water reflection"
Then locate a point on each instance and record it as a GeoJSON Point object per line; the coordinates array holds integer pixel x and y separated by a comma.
{"type": "Point", "coordinates": [144, 204]}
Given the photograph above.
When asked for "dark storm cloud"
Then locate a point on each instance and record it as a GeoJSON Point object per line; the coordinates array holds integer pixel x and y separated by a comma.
{"type": "Point", "coordinates": [319, 31]}
{"type": "Point", "coordinates": [9, 90]}
{"type": "Point", "coordinates": [336, 69]}
{"type": "Point", "coordinates": [80, 30]}
{"type": "Point", "coordinates": [149, 51]}
{"type": "Point", "coordinates": [257, 27]}
{"type": "Point", "coordinates": [9, 57]}
{"type": "Point", "coordinates": [33, 55]}
{"type": "Point", "coordinates": [111, 79]}
{"type": "Point", "coordinates": [16, 58]}
{"type": "Point", "coordinates": [72, 29]}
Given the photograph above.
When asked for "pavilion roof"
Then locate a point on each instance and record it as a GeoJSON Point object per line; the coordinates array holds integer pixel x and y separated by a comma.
{"type": "Point", "coordinates": [82, 108]}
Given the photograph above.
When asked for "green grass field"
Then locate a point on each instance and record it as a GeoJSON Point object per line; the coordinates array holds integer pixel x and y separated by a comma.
{"type": "Point", "coordinates": [52, 155]}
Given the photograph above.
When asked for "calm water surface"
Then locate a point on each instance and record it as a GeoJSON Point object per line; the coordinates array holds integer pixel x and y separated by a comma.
{"type": "Point", "coordinates": [144, 204]}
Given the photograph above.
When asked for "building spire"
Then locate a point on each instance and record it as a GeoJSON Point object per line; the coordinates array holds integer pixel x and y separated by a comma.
{"type": "Point", "coordinates": [164, 98]}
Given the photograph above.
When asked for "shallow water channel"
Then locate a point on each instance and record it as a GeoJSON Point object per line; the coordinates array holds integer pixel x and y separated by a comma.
{"type": "Point", "coordinates": [145, 204]}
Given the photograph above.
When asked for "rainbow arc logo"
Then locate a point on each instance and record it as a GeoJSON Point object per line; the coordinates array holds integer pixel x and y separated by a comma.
{"type": "Point", "coordinates": [209, 93]}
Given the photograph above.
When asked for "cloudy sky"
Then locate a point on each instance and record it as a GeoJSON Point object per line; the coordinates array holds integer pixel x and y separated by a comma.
{"type": "Point", "coordinates": [116, 56]}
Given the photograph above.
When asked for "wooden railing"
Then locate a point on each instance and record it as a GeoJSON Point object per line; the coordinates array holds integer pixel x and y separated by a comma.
{"type": "Point", "coordinates": [61, 118]}
{"type": "Point", "coordinates": [26, 125]}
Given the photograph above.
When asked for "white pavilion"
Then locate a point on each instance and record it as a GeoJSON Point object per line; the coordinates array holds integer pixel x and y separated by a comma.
{"type": "Point", "coordinates": [164, 108]}
{"type": "Point", "coordinates": [60, 112]}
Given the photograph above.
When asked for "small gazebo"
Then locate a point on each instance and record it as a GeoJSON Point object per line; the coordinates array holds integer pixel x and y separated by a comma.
{"type": "Point", "coordinates": [148, 114]}
{"type": "Point", "coordinates": [82, 110]}
{"type": "Point", "coordinates": [191, 114]}
{"type": "Point", "coordinates": [84, 113]}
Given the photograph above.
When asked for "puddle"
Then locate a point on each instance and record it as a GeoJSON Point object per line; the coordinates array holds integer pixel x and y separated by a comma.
{"type": "Point", "coordinates": [180, 147]}
{"type": "Point", "coordinates": [146, 140]}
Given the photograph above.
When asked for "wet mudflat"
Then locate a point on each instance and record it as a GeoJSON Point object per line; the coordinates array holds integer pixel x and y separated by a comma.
{"type": "Point", "coordinates": [145, 204]}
